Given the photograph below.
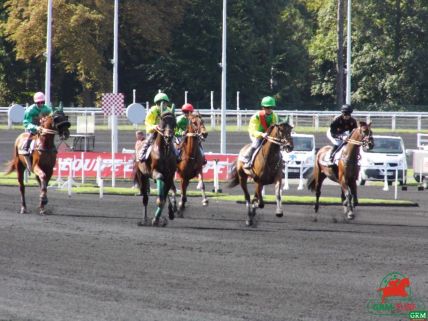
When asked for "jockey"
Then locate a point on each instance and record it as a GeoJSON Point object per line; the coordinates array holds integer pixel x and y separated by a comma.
{"type": "Point", "coordinates": [340, 129]}
{"type": "Point", "coordinates": [32, 116]}
{"type": "Point", "coordinates": [183, 123]}
{"type": "Point", "coordinates": [152, 120]}
{"type": "Point", "coordinates": [259, 123]}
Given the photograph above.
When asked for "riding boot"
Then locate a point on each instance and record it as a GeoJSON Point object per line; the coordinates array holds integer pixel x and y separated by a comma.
{"type": "Point", "coordinates": [333, 153]}
{"type": "Point", "coordinates": [145, 147]}
{"type": "Point", "coordinates": [248, 156]}
{"type": "Point", "coordinates": [26, 146]}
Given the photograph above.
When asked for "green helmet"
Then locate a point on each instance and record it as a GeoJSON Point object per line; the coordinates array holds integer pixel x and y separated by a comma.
{"type": "Point", "coordinates": [268, 102]}
{"type": "Point", "coordinates": [159, 97]}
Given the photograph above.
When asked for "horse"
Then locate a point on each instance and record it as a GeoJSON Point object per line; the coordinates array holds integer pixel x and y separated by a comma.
{"type": "Point", "coordinates": [267, 168]}
{"type": "Point", "coordinates": [42, 158]}
{"type": "Point", "coordinates": [160, 166]}
{"type": "Point", "coordinates": [347, 170]}
{"type": "Point", "coordinates": [192, 160]}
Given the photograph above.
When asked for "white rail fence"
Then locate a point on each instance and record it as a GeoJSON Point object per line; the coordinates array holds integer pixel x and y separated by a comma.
{"type": "Point", "coordinates": [240, 117]}
{"type": "Point", "coordinates": [69, 167]}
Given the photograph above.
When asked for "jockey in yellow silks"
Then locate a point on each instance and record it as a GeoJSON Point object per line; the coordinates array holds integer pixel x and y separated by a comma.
{"type": "Point", "coordinates": [259, 123]}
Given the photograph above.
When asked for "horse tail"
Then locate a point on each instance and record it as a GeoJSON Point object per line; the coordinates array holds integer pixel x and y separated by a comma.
{"type": "Point", "coordinates": [234, 177]}
{"type": "Point", "coordinates": [12, 165]}
{"type": "Point", "coordinates": [312, 180]}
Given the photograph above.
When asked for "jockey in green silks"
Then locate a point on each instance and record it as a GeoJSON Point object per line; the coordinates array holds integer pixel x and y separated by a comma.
{"type": "Point", "coordinates": [183, 123]}
{"type": "Point", "coordinates": [32, 116]}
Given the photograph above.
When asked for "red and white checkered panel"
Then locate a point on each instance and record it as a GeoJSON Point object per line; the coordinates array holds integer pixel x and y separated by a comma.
{"type": "Point", "coordinates": [112, 102]}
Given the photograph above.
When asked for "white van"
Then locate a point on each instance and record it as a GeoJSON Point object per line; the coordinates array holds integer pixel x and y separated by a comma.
{"type": "Point", "coordinates": [302, 157]}
{"type": "Point", "coordinates": [388, 155]}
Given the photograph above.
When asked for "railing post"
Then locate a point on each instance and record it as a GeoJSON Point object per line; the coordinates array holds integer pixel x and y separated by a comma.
{"type": "Point", "coordinates": [419, 122]}
{"type": "Point", "coordinates": [212, 111]}
{"type": "Point", "coordinates": [393, 121]}
{"type": "Point", "coordinates": [317, 121]}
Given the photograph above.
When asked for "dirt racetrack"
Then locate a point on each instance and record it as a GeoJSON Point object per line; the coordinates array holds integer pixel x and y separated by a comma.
{"type": "Point", "coordinates": [89, 260]}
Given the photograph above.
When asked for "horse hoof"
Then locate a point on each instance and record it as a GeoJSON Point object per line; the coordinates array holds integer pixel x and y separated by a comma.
{"type": "Point", "coordinates": [279, 214]}
{"type": "Point", "coordinates": [23, 211]}
{"type": "Point", "coordinates": [205, 203]}
{"type": "Point", "coordinates": [249, 222]}
{"type": "Point", "coordinates": [159, 222]}
{"type": "Point", "coordinates": [42, 212]}
{"type": "Point", "coordinates": [171, 214]}
{"type": "Point", "coordinates": [143, 223]}
{"type": "Point", "coordinates": [350, 216]}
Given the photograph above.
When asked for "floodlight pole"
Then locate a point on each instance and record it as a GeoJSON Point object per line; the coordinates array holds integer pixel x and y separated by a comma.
{"type": "Point", "coordinates": [223, 82]}
{"type": "Point", "coordinates": [48, 55]}
{"type": "Point", "coordinates": [114, 131]}
{"type": "Point", "coordinates": [348, 56]}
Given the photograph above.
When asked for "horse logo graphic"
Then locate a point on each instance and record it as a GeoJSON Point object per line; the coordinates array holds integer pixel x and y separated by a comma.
{"type": "Point", "coordinates": [395, 288]}
{"type": "Point", "coordinates": [394, 297]}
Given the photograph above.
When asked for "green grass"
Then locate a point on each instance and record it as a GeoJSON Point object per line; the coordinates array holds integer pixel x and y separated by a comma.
{"type": "Point", "coordinates": [311, 199]}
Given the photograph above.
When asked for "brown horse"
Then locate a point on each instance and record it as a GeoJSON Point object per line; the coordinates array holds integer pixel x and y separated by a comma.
{"type": "Point", "coordinates": [43, 157]}
{"type": "Point", "coordinates": [347, 170]}
{"type": "Point", "coordinates": [192, 160]}
{"type": "Point", "coordinates": [267, 168]}
{"type": "Point", "coordinates": [160, 166]}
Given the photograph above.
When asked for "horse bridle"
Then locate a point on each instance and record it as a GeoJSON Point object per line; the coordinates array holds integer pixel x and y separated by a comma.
{"type": "Point", "coordinates": [364, 140]}
{"type": "Point", "coordinates": [197, 132]}
{"type": "Point", "coordinates": [276, 140]}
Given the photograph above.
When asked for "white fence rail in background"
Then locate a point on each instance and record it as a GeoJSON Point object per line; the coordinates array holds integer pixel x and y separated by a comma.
{"type": "Point", "coordinates": [240, 117]}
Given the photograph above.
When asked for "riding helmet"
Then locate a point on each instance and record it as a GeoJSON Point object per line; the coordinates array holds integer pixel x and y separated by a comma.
{"type": "Point", "coordinates": [187, 107]}
{"type": "Point", "coordinates": [39, 97]}
{"type": "Point", "coordinates": [268, 102]}
{"type": "Point", "coordinates": [346, 109]}
{"type": "Point", "coordinates": [161, 97]}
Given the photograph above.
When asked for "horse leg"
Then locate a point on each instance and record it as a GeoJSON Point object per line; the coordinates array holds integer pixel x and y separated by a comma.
{"type": "Point", "coordinates": [251, 211]}
{"type": "Point", "coordinates": [183, 200]}
{"type": "Point", "coordinates": [172, 207]}
{"type": "Point", "coordinates": [258, 196]}
{"type": "Point", "coordinates": [144, 191]}
{"type": "Point", "coordinates": [20, 171]}
{"type": "Point", "coordinates": [158, 220]}
{"type": "Point", "coordinates": [320, 179]}
{"type": "Point", "coordinates": [43, 188]}
{"type": "Point", "coordinates": [278, 196]}
{"type": "Point", "coordinates": [204, 197]}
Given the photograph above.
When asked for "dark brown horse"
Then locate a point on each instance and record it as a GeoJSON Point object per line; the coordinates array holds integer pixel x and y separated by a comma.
{"type": "Point", "coordinates": [192, 159]}
{"type": "Point", "coordinates": [347, 170]}
{"type": "Point", "coordinates": [160, 166]}
{"type": "Point", "coordinates": [267, 168]}
{"type": "Point", "coordinates": [43, 157]}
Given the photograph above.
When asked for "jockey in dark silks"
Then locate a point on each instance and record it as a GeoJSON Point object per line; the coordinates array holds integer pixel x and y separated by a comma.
{"type": "Point", "coordinates": [259, 123]}
{"type": "Point", "coordinates": [340, 128]}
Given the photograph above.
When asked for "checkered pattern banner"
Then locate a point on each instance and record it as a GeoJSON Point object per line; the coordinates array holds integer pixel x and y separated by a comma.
{"type": "Point", "coordinates": [112, 102]}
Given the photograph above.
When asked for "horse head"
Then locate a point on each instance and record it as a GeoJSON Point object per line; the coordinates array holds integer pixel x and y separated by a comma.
{"type": "Point", "coordinates": [61, 124]}
{"type": "Point", "coordinates": [281, 135]}
{"type": "Point", "coordinates": [365, 135]}
{"type": "Point", "coordinates": [167, 124]}
{"type": "Point", "coordinates": [197, 126]}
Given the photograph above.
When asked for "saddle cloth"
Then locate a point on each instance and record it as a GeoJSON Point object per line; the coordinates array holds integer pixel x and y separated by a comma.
{"type": "Point", "coordinates": [242, 159]}
{"type": "Point", "coordinates": [326, 159]}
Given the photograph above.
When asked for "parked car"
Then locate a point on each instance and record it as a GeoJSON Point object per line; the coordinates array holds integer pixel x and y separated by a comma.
{"type": "Point", "coordinates": [302, 156]}
{"type": "Point", "coordinates": [387, 155]}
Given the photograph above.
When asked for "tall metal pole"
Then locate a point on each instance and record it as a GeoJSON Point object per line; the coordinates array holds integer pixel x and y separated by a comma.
{"type": "Point", "coordinates": [223, 82]}
{"type": "Point", "coordinates": [348, 56]}
{"type": "Point", "coordinates": [114, 132]}
{"type": "Point", "coordinates": [48, 55]}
